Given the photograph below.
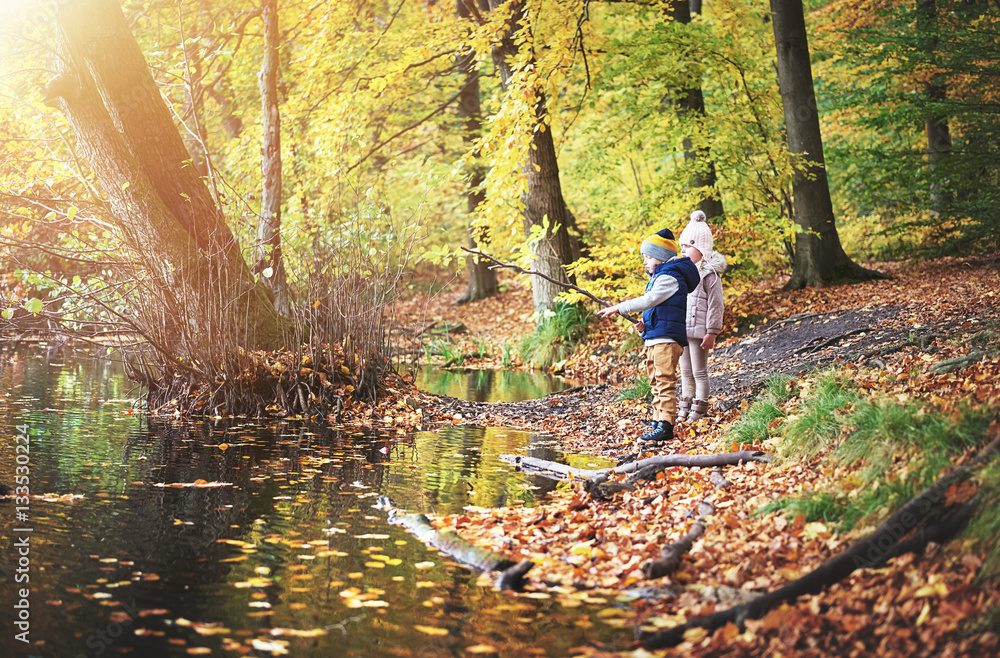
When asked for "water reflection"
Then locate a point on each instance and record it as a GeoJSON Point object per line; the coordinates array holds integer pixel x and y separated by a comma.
{"type": "Point", "coordinates": [272, 543]}
{"type": "Point", "coordinates": [489, 385]}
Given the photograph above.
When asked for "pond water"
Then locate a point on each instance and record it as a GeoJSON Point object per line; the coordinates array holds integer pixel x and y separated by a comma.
{"type": "Point", "coordinates": [273, 545]}
{"type": "Point", "coordinates": [488, 385]}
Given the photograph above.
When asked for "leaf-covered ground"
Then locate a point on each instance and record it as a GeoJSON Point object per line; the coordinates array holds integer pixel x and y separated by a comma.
{"type": "Point", "coordinates": [931, 334]}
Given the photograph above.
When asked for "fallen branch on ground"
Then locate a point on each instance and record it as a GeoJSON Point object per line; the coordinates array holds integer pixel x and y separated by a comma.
{"type": "Point", "coordinates": [671, 554]}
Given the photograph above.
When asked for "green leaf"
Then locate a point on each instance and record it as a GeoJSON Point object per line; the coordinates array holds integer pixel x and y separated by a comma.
{"type": "Point", "coordinates": [71, 213]}
{"type": "Point", "coordinates": [8, 313]}
{"type": "Point", "coordinates": [33, 306]}
{"type": "Point", "coordinates": [268, 271]}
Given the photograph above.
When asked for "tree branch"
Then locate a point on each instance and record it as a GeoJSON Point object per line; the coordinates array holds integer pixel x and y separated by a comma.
{"type": "Point", "coordinates": [561, 284]}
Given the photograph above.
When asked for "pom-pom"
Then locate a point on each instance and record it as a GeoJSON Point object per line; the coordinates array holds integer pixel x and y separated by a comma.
{"type": "Point", "coordinates": [698, 216]}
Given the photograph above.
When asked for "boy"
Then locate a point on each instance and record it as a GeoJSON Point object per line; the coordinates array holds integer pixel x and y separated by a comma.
{"type": "Point", "coordinates": [663, 325]}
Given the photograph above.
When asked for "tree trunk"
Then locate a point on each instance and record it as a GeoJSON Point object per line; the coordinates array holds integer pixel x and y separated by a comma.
{"type": "Point", "coordinates": [935, 91]}
{"type": "Point", "coordinates": [269, 254]}
{"type": "Point", "coordinates": [819, 257]}
{"type": "Point", "coordinates": [482, 279]}
{"type": "Point", "coordinates": [691, 105]}
{"type": "Point", "coordinates": [543, 199]}
{"type": "Point", "coordinates": [157, 200]}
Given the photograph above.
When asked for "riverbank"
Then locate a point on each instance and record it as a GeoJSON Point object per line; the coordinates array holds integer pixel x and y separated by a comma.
{"type": "Point", "coordinates": [924, 344]}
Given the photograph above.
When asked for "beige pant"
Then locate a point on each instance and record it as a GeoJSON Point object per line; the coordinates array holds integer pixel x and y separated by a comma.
{"type": "Point", "coordinates": [661, 368]}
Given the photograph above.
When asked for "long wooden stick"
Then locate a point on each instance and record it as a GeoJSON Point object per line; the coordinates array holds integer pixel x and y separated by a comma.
{"type": "Point", "coordinates": [562, 284]}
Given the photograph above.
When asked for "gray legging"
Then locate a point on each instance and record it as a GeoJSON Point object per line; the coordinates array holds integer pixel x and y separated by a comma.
{"type": "Point", "coordinates": [694, 370]}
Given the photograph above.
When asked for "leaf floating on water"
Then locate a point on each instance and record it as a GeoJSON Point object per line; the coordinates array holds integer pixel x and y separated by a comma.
{"type": "Point", "coordinates": [276, 647]}
{"type": "Point", "coordinates": [481, 648]}
{"type": "Point", "coordinates": [294, 632]}
{"type": "Point", "coordinates": [424, 565]}
{"type": "Point", "coordinates": [197, 483]}
{"type": "Point", "coordinates": [253, 582]}
{"type": "Point", "coordinates": [431, 630]}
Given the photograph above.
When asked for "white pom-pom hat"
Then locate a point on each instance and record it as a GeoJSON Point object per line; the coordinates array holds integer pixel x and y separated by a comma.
{"type": "Point", "coordinates": [697, 234]}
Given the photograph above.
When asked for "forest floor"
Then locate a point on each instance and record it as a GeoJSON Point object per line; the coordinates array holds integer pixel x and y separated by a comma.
{"type": "Point", "coordinates": [930, 335]}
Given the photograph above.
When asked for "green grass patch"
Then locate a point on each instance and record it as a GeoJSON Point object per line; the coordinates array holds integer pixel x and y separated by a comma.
{"type": "Point", "coordinates": [883, 429]}
{"type": "Point", "coordinates": [819, 506]}
{"type": "Point", "coordinates": [507, 358]}
{"type": "Point", "coordinates": [756, 424]}
{"type": "Point", "coordinates": [447, 349]}
{"type": "Point", "coordinates": [820, 418]}
{"type": "Point", "coordinates": [639, 390]}
{"type": "Point", "coordinates": [900, 447]}
{"type": "Point", "coordinates": [556, 335]}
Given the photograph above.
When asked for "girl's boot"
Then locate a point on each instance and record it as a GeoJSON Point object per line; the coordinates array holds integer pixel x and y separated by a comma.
{"type": "Point", "coordinates": [683, 408]}
{"type": "Point", "coordinates": [698, 410]}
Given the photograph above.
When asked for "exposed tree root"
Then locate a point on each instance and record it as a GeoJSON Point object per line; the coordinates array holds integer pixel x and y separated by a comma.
{"type": "Point", "coordinates": [259, 384]}
{"type": "Point", "coordinates": [670, 555]}
{"type": "Point", "coordinates": [868, 552]}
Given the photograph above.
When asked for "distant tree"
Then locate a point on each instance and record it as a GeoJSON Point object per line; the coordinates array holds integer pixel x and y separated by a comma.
{"type": "Point", "coordinates": [819, 257]}
{"type": "Point", "coordinates": [935, 91]}
{"type": "Point", "coordinates": [482, 279]}
{"type": "Point", "coordinates": [691, 105]}
{"type": "Point", "coordinates": [269, 253]}
{"type": "Point", "coordinates": [544, 209]}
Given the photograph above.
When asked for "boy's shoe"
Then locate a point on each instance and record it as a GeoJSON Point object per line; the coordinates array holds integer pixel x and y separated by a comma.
{"type": "Point", "coordinates": [663, 431]}
{"type": "Point", "coordinates": [653, 426]}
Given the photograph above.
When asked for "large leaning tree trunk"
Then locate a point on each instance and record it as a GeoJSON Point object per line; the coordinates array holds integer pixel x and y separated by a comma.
{"type": "Point", "coordinates": [691, 105]}
{"type": "Point", "coordinates": [543, 196]}
{"type": "Point", "coordinates": [819, 257]}
{"type": "Point", "coordinates": [269, 257]}
{"type": "Point", "coordinates": [482, 279]}
{"type": "Point", "coordinates": [158, 201]}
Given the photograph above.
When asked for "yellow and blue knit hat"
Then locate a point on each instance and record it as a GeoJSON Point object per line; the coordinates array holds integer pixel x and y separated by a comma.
{"type": "Point", "coordinates": [661, 246]}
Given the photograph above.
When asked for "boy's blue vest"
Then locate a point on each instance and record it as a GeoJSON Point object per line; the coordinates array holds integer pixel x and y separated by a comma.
{"type": "Point", "coordinates": [669, 319]}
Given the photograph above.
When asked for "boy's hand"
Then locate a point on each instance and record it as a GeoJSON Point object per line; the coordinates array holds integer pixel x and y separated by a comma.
{"type": "Point", "coordinates": [608, 312]}
{"type": "Point", "coordinates": [708, 342]}
{"type": "Point", "coordinates": [640, 326]}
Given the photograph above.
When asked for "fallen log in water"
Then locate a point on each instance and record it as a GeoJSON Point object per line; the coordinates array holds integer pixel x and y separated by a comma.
{"type": "Point", "coordinates": [870, 551]}
{"type": "Point", "coordinates": [479, 559]}
{"type": "Point", "coordinates": [543, 467]}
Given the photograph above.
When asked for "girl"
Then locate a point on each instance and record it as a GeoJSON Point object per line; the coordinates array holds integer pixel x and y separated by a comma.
{"type": "Point", "coordinates": [704, 318]}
